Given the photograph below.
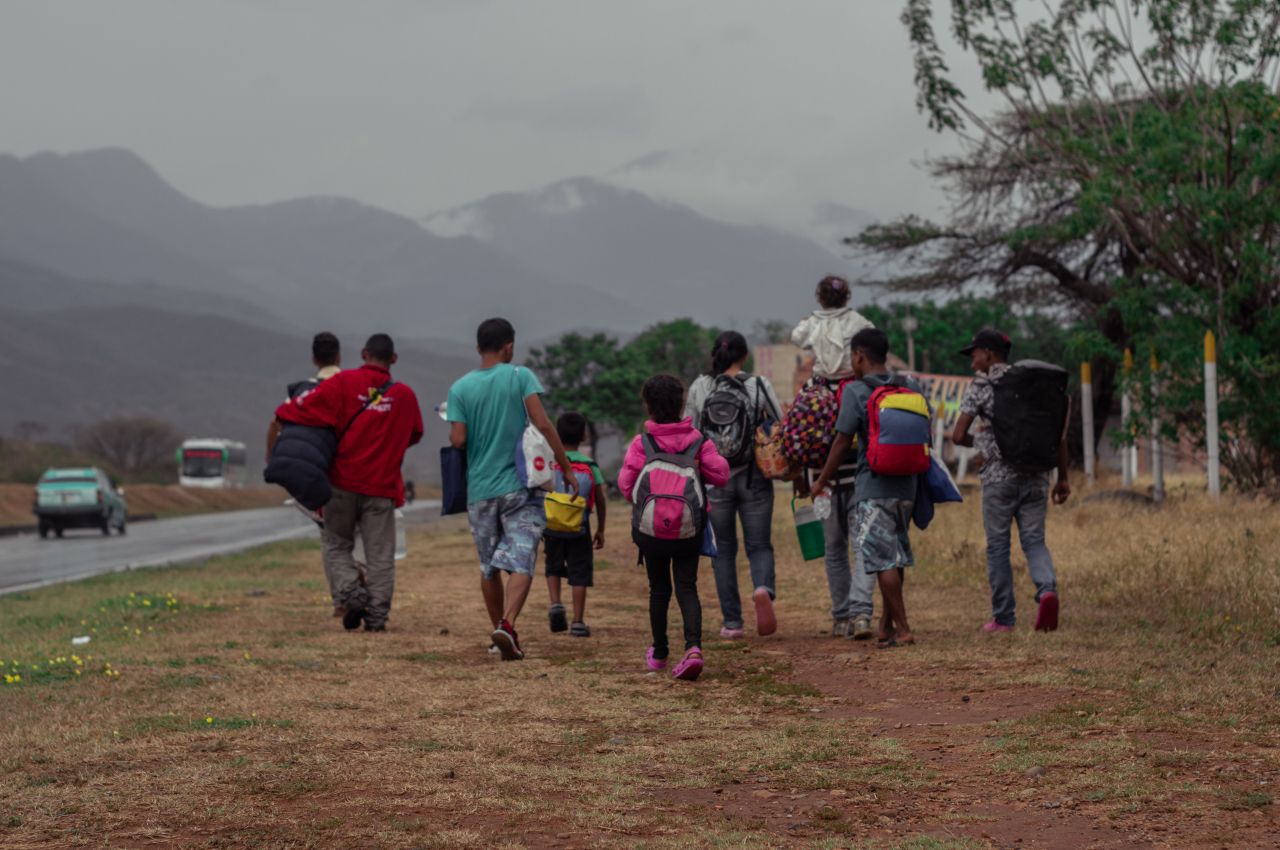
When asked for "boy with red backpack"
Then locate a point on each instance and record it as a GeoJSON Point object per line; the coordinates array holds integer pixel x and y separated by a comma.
{"type": "Point", "coordinates": [664, 476]}
{"type": "Point", "coordinates": [569, 550]}
{"type": "Point", "coordinates": [889, 417]}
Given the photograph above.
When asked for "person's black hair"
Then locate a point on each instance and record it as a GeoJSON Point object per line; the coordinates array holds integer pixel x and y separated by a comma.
{"type": "Point", "coordinates": [380, 348]}
{"type": "Point", "coordinates": [572, 428]}
{"type": "Point", "coordinates": [325, 349]}
{"type": "Point", "coordinates": [729, 348]}
{"type": "Point", "coordinates": [872, 342]}
{"type": "Point", "coordinates": [664, 397]}
{"type": "Point", "coordinates": [493, 335]}
{"type": "Point", "coordinates": [833, 292]}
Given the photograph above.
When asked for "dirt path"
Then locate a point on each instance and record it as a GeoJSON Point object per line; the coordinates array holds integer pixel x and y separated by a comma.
{"type": "Point", "coordinates": [223, 707]}
{"type": "Point", "coordinates": [951, 721]}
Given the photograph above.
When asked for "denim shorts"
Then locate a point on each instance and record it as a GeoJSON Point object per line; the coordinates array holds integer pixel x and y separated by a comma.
{"type": "Point", "coordinates": [507, 531]}
{"type": "Point", "coordinates": [879, 530]}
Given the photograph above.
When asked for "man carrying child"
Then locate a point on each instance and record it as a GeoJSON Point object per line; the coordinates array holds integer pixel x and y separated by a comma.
{"type": "Point", "coordinates": [1009, 494]}
{"type": "Point", "coordinates": [569, 553]}
{"type": "Point", "coordinates": [489, 409]}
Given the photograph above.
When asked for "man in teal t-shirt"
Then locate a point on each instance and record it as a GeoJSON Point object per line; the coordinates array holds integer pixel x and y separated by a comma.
{"type": "Point", "coordinates": [489, 409]}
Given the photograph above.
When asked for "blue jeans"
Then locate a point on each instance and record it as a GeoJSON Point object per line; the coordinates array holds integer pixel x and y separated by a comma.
{"type": "Point", "coordinates": [748, 495]}
{"type": "Point", "coordinates": [1026, 500]}
{"type": "Point", "coordinates": [852, 592]}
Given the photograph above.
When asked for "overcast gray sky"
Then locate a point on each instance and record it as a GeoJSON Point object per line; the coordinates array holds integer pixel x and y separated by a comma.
{"type": "Point", "coordinates": [764, 109]}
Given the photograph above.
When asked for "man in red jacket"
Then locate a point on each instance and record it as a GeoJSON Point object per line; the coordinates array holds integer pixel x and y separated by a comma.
{"type": "Point", "coordinates": [376, 421]}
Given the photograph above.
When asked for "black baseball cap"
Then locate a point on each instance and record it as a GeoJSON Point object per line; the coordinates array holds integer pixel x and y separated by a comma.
{"type": "Point", "coordinates": [990, 339]}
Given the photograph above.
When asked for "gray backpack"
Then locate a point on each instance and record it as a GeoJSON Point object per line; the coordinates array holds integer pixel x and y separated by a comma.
{"type": "Point", "coordinates": [729, 419]}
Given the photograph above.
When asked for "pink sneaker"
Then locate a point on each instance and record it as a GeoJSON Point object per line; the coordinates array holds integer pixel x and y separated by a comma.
{"type": "Point", "coordinates": [690, 667]}
{"type": "Point", "coordinates": [766, 622]}
{"type": "Point", "coordinates": [996, 628]}
{"type": "Point", "coordinates": [654, 664]}
{"type": "Point", "coordinates": [732, 634]}
{"type": "Point", "coordinates": [1047, 616]}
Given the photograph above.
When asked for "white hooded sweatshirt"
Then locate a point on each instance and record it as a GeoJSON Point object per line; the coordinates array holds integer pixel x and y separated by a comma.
{"type": "Point", "coordinates": [826, 336]}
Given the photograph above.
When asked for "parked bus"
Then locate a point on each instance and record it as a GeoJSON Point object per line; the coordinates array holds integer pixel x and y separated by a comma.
{"type": "Point", "coordinates": [211, 463]}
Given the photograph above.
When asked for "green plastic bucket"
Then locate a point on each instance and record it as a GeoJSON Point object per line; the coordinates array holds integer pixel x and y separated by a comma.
{"type": "Point", "coordinates": [813, 540]}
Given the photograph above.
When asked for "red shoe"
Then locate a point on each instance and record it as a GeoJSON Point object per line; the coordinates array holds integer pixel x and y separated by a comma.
{"type": "Point", "coordinates": [504, 637]}
{"type": "Point", "coordinates": [993, 628]}
{"type": "Point", "coordinates": [766, 621]}
{"type": "Point", "coordinates": [1047, 617]}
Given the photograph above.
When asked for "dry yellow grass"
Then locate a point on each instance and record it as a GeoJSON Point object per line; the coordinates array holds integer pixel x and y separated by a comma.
{"type": "Point", "coordinates": [243, 716]}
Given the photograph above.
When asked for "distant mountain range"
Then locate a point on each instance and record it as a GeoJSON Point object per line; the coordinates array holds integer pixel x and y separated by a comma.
{"type": "Point", "coordinates": [121, 295]}
{"type": "Point", "coordinates": [666, 259]}
{"type": "Point", "coordinates": [313, 262]}
{"type": "Point", "coordinates": [579, 253]}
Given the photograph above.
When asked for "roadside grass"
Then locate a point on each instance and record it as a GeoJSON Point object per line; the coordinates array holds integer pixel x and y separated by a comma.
{"type": "Point", "coordinates": [242, 715]}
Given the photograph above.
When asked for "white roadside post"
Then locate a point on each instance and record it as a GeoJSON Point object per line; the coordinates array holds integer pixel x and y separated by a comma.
{"type": "Point", "coordinates": [1211, 412]}
{"type": "Point", "coordinates": [1086, 417]}
{"type": "Point", "coordinates": [1157, 453]}
{"type": "Point", "coordinates": [1127, 466]}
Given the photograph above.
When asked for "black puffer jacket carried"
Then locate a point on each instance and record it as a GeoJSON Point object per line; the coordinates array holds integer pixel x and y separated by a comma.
{"type": "Point", "coordinates": [300, 463]}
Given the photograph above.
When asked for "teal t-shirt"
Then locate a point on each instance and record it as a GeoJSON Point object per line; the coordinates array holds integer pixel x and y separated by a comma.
{"type": "Point", "coordinates": [490, 402]}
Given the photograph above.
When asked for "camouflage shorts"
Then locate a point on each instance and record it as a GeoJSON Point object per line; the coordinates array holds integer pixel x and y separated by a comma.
{"type": "Point", "coordinates": [507, 531]}
{"type": "Point", "coordinates": [879, 531]}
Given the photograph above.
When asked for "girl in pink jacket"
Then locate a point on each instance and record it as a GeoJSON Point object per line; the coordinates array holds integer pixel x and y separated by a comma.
{"type": "Point", "coordinates": [664, 476]}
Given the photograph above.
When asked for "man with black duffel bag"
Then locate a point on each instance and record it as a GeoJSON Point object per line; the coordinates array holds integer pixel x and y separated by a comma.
{"type": "Point", "coordinates": [1025, 406]}
{"type": "Point", "coordinates": [373, 420]}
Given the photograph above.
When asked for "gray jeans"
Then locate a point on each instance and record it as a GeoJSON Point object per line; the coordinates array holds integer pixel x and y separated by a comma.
{"type": "Point", "coordinates": [1026, 500]}
{"type": "Point", "coordinates": [852, 591]}
{"type": "Point", "coordinates": [752, 500]}
{"type": "Point", "coordinates": [376, 519]}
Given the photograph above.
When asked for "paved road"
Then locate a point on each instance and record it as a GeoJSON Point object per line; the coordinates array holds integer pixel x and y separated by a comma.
{"type": "Point", "coordinates": [27, 561]}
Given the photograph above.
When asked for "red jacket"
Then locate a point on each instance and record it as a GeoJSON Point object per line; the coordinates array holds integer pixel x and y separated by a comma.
{"type": "Point", "coordinates": [372, 449]}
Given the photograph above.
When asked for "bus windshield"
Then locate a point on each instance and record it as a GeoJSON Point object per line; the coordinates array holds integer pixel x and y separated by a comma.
{"type": "Point", "coordinates": [202, 463]}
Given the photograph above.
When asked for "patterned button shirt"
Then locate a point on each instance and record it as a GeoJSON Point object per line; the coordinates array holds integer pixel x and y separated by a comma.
{"type": "Point", "coordinates": [979, 402]}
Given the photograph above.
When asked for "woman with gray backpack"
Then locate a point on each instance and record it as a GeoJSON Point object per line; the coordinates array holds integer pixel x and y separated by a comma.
{"type": "Point", "coordinates": [727, 405]}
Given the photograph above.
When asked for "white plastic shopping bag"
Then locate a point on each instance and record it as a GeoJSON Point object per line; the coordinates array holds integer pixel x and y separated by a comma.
{"type": "Point", "coordinates": [534, 460]}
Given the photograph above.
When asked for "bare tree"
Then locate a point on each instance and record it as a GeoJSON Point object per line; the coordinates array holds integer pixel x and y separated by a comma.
{"type": "Point", "coordinates": [28, 429]}
{"type": "Point", "coordinates": [130, 446]}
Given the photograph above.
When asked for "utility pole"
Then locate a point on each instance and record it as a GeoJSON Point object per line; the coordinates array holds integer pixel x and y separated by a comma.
{"type": "Point", "coordinates": [909, 324]}
{"type": "Point", "coordinates": [1211, 413]}
{"type": "Point", "coordinates": [1086, 418]}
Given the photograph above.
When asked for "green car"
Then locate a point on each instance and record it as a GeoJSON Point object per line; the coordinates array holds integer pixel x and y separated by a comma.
{"type": "Point", "coordinates": [79, 498]}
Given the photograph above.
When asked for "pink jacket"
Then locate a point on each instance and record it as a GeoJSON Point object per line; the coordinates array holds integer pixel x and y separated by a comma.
{"type": "Point", "coordinates": [673, 437]}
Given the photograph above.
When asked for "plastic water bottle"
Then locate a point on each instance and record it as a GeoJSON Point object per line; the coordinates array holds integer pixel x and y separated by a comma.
{"type": "Point", "coordinates": [402, 540]}
{"type": "Point", "coordinates": [822, 506]}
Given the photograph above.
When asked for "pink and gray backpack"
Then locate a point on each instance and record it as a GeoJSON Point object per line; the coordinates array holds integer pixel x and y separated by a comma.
{"type": "Point", "coordinates": [669, 503]}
